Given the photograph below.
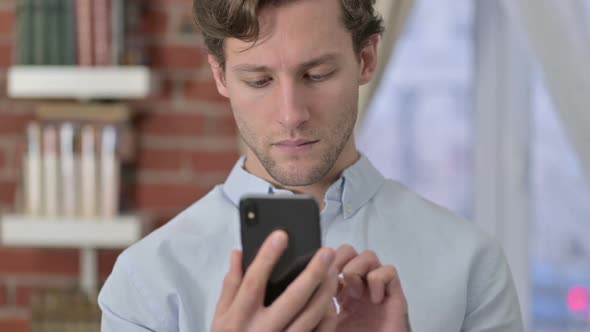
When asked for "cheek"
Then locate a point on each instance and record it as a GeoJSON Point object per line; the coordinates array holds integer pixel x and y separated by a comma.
{"type": "Point", "coordinates": [250, 116]}
{"type": "Point", "coordinates": [249, 101]}
{"type": "Point", "coordinates": [335, 99]}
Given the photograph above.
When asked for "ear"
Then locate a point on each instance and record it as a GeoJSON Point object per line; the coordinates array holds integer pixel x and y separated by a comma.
{"type": "Point", "coordinates": [369, 58]}
{"type": "Point", "coordinates": [218, 75]}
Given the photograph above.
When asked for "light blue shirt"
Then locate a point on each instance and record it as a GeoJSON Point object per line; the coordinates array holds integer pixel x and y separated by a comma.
{"type": "Point", "coordinates": [455, 278]}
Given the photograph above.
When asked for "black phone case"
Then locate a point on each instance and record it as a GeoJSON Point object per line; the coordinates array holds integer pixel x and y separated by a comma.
{"type": "Point", "coordinates": [298, 215]}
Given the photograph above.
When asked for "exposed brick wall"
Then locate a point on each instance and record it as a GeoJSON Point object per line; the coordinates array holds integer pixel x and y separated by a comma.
{"type": "Point", "coordinates": [187, 144]}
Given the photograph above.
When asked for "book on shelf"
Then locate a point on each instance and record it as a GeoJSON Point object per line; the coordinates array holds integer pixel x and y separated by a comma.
{"type": "Point", "coordinates": [84, 32]}
{"type": "Point", "coordinates": [64, 310]}
{"type": "Point", "coordinates": [117, 30]}
{"type": "Point", "coordinates": [68, 31]}
{"type": "Point", "coordinates": [102, 32]}
{"type": "Point", "coordinates": [72, 166]}
{"type": "Point", "coordinates": [52, 15]}
{"type": "Point", "coordinates": [24, 32]}
{"type": "Point", "coordinates": [78, 32]}
{"type": "Point", "coordinates": [39, 37]}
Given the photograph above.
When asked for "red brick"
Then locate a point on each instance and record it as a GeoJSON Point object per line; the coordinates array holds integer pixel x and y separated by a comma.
{"type": "Point", "coordinates": [106, 262]}
{"type": "Point", "coordinates": [3, 87]}
{"type": "Point", "coordinates": [172, 124]}
{"type": "Point", "coordinates": [5, 56]}
{"type": "Point", "coordinates": [177, 57]}
{"type": "Point", "coordinates": [169, 2]}
{"type": "Point", "coordinates": [15, 325]}
{"type": "Point", "coordinates": [20, 148]}
{"type": "Point", "coordinates": [2, 160]}
{"type": "Point", "coordinates": [23, 296]}
{"type": "Point", "coordinates": [165, 90]}
{"type": "Point", "coordinates": [203, 90]}
{"type": "Point", "coordinates": [160, 160]}
{"type": "Point", "coordinates": [12, 159]}
{"type": "Point", "coordinates": [185, 27]}
{"type": "Point", "coordinates": [171, 198]}
{"type": "Point", "coordinates": [38, 261]}
{"type": "Point", "coordinates": [7, 193]}
{"type": "Point", "coordinates": [3, 295]}
{"type": "Point", "coordinates": [214, 161]}
{"type": "Point", "coordinates": [162, 218]}
{"type": "Point", "coordinates": [225, 125]}
{"type": "Point", "coordinates": [6, 23]}
{"type": "Point", "coordinates": [155, 21]}
{"type": "Point", "coordinates": [14, 123]}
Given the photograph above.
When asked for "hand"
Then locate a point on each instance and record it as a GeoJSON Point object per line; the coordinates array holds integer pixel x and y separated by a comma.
{"type": "Point", "coordinates": [371, 297]}
{"type": "Point", "coordinates": [305, 305]}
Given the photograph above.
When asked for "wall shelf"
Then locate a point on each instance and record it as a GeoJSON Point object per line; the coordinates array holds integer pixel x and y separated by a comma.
{"type": "Point", "coordinates": [82, 83]}
{"type": "Point", "coordinates": [88, 235]}
{"type": "Point", "coordinates": [24, 231]}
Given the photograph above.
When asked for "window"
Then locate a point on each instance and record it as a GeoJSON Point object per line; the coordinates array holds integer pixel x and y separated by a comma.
{"type": "Point", "coordinates": [418, 128]}
{"type": "Point", "coordinates": [560, 230]}
{"type": "Point", "coordinates": [419, 131]}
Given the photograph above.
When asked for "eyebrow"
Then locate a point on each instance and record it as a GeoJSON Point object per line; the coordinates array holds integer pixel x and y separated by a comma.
{"type": "Point", "coordinates": [306, 65]}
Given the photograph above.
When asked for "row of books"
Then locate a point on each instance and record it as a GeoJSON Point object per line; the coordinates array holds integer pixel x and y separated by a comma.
{"type": "Point", "coordinates": [76, 32]}
{"type": "Point", "coordinates": [71, 171]}
{"type": "Point", "coordinates": [57, 310]}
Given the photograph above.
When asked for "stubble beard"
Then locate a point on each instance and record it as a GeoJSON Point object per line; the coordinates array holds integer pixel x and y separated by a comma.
{"type": "Point", "coordinates": [290, 177]}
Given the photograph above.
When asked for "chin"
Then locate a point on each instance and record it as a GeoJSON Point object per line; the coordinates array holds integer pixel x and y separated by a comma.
{"type": "Point", "coordinates": [298, 173]}
{"type": "Point", "coordinates": [293, 180]}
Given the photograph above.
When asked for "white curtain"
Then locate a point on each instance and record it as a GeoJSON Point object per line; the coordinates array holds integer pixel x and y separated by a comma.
{"type": "Point", "coordinates": [395, 13]}
{"type": "Point", "coordinates": [558, 35]}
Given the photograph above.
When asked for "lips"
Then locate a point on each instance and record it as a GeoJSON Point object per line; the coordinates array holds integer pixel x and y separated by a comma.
{"type": "Point", "coordinates": [295, 147]}
{"type": "Point", "coordinates": [295, 143]}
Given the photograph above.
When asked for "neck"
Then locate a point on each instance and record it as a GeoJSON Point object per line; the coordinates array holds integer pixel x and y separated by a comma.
{"type": "Point", "coordinates": [317, 190]}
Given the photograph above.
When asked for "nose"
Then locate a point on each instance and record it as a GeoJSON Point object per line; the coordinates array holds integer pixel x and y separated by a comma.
{"type": "Point", "coordinates": [293, 111]}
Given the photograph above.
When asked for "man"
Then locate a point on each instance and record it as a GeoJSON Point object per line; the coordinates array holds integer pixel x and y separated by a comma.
{"type": "Point", "coordinates": [292, 70]}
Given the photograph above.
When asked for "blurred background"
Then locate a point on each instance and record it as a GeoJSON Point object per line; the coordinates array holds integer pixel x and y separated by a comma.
{"type": "Point", "coordinates": [110, 125]}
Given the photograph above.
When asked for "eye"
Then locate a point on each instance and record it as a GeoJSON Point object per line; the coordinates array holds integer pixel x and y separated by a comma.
{"type": "Point", "coordinates": [259, 83]}
{"type": "Point", "coordinates": [318, 77]}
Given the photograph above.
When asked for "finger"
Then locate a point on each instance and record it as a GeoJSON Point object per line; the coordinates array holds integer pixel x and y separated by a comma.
{"type": "Point", "coordinates": [298, 293]}
{"type": "Point", "coordinates": [344, 254]}
{"type": "Point", "coordinates": [354, 286]}
{"type": "Point", "coordinates": [355, 273]}
{"type": "Point", "coordinates": [330, 320]}
{"type": "Point", "coordinates": [378, 281]}
{"type": "Point", "coordinates": [231, 282]}
{"type": "Point", "coordinates": [318, 306]}
{"type": "Point", "coordinates": [394, 287]}
{"type": "Point", "coordinates": [251, 292]}
{"type": "Point", "coordinates": [362, 264]}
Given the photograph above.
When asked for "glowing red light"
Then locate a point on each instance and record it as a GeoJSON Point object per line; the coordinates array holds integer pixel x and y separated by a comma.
{"type": "Point", "coordinates": [578, 299]}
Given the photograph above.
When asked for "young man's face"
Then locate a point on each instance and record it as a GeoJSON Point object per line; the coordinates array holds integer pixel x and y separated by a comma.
{"type": "Point", "coordinates": [294, 94]}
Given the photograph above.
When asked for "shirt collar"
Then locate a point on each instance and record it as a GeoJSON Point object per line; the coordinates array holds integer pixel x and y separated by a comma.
{"type": "Point", "coordinates": [357, 185]}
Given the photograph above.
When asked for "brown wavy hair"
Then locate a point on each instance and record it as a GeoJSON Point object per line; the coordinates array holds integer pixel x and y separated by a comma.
{"type": "Point", "coordinates": [221, 19]}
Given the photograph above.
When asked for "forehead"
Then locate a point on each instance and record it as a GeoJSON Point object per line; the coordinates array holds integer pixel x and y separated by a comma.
{"type": "Point", "coordinates": [292, 34]}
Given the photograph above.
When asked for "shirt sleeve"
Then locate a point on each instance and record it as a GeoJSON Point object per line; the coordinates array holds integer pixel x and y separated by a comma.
{"type": "Point", "coordinates": [492, 303]}
{"type": "Point", "coordinates": [126, 305]}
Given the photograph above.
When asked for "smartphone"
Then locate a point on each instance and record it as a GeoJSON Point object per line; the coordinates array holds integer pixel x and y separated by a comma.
{"type": "Point", "coordinates": [298, 216]}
